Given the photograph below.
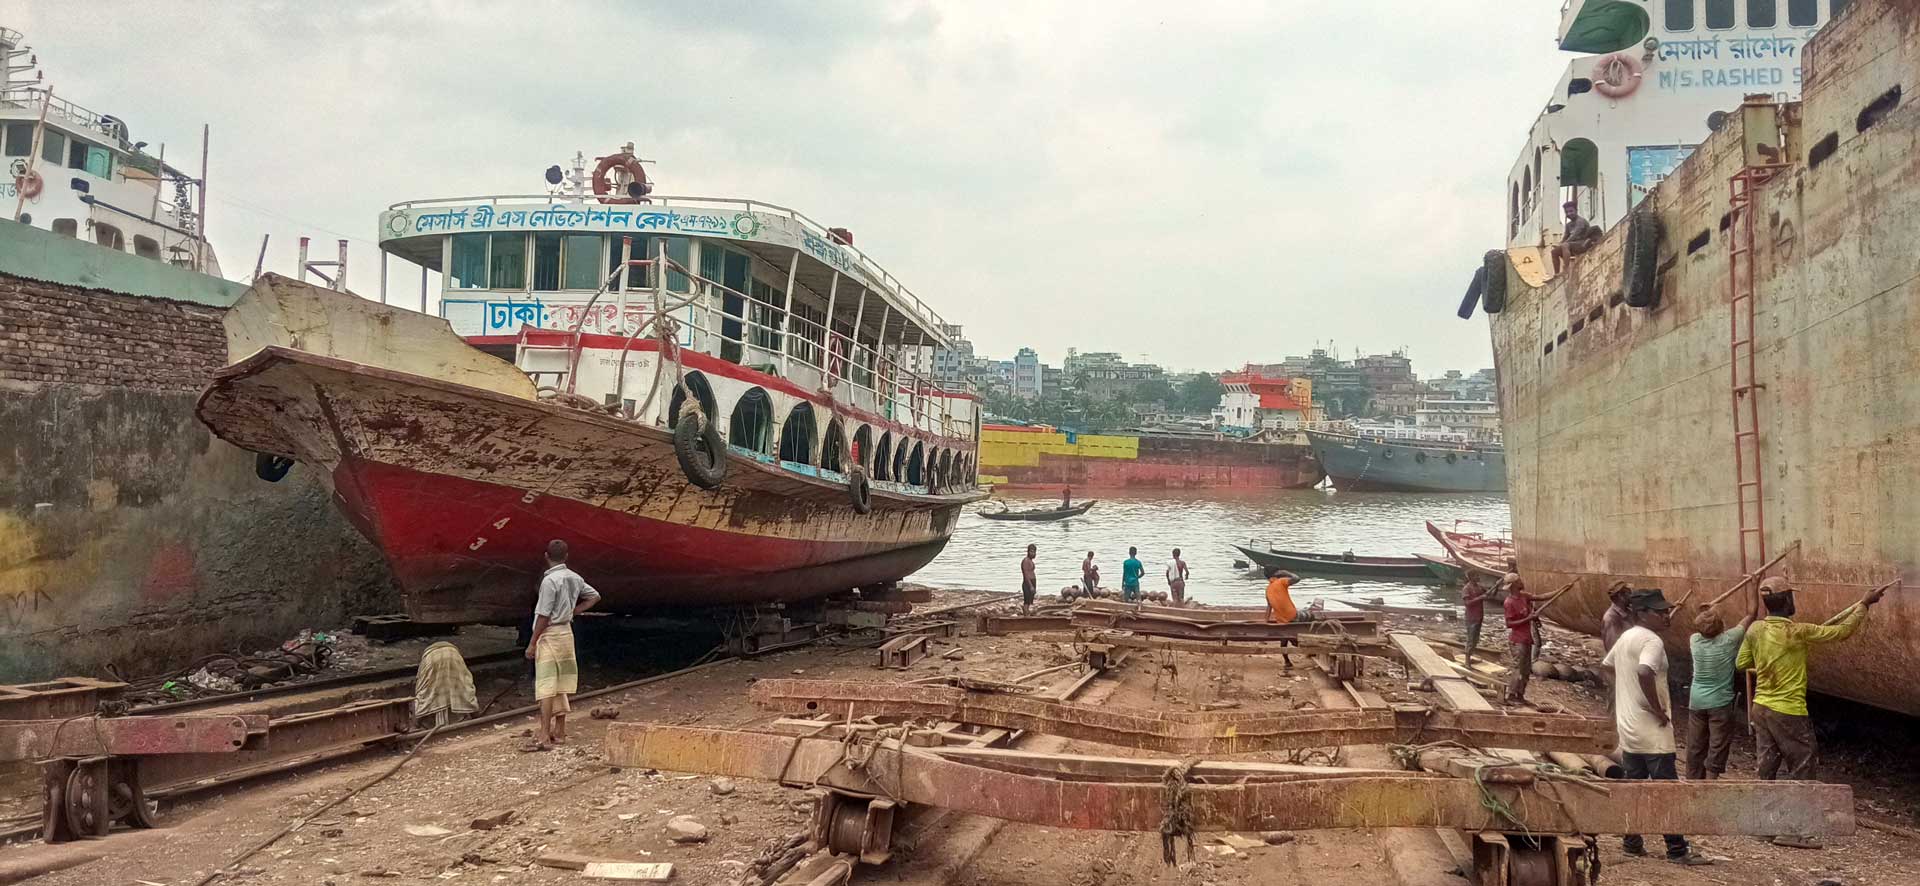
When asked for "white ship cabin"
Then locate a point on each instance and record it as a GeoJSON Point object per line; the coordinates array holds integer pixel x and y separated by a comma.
{"type": "Point", "coordinates": [77, 173]}
{"type": "Point", "coordinates": [794, 342]}
{"type": "Point", "coordinates": [1653, 79]}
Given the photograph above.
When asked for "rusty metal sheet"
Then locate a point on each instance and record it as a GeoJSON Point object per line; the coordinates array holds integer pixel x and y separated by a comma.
{"type": "Point", "coordinates": [288, 738]}
{"type": "Point", "coordinates": [55, 699]}
{"type": "Point", "coordinates": [1367, 646]}
{"type": "Point", "coordinates": [1000, 625]}
{"type": "Point", "coordinates": [1189, 732]}
{"type": "Point", "coordinates": [919, 776]}
{"type": "Point", "coordinates": [1367, 625]}
{"type": "Point", "coordinates": [127, 736]}
{"type": "Point", "coordinates": [1197, 613]}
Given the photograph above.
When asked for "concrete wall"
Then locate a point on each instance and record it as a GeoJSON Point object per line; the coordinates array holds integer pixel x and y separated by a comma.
{"type": "Point", "coordinates": [129, 537]}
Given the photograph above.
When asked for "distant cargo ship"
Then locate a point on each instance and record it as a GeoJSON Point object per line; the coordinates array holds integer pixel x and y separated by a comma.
{"type": "Point", "coordinates": [1044, 458]}
{"type": "Point", "coordinates": [1359, 463]}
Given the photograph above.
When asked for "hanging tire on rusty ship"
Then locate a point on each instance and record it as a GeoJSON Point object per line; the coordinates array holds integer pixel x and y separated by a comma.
{"type": "Point", "coordinates": [699, 397]}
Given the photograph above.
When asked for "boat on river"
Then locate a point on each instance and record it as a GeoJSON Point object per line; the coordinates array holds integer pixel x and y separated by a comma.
{"type": "Point", "coordinates": [1728, 369]}
{"type": "Point", "coordinates": [1367, 463]}
{"type": "Point", "coordinates": [1347, 565]}
{"type": "Point", "coordinates": [1041, 515]}
{"type": "Point", "coordinates": [1482, 555]}
{"type": "Point", "coordinates": [1444, 570]}
{"type": "Point", "coordinates": [701, 396]}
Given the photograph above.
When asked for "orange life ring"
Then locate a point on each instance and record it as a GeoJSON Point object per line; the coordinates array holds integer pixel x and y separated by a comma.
{"type": "Point", "coordinates": [602, 187]}
{"type": "Point", "coordinates": [1617, 75]}
{"type": "Point", "coordinates": [29, 184]}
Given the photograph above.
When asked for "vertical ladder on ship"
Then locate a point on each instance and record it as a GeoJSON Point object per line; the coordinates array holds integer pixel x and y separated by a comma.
{"type": "Point", "coordinates": [1749, 503]}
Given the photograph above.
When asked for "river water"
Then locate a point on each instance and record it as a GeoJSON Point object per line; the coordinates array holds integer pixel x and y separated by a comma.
{"type": "Point", "coordinates": [1205, 525]}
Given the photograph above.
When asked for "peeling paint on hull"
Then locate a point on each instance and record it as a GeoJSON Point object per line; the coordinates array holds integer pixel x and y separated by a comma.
{"type": "Point", "coordinates": [461, 488]}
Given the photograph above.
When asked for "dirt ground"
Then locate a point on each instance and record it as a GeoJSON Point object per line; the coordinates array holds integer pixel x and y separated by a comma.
{"type": "Point", "coordinates": [416, 825]}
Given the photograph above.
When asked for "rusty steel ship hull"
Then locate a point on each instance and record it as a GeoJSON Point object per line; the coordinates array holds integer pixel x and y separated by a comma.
{"type": "Point", "coordinates": [461, 488]}
{"type": "Point", "coordinates": [1620, 420]}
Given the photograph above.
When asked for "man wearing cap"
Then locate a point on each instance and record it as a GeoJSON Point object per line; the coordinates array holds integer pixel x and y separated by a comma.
{"type": "Point", "coordinates": [1618, 617]}
{"type": "Point", "coordinates": [1580, 236]}
{"type": "Point", "coordinates": [1711, 719]}
{"type": "Point", "coordinates": [1641, 708]}
{"type": "Point", "coordinates": [1776, 649]}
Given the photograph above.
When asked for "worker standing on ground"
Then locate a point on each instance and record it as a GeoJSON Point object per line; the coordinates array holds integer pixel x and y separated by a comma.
{"type": "Point", "coordinates": [1618, 617]}
{"type": "Point", "coordinates": [1710, 715]}
{"type": "Point", "coordinates": [1029, 580]}
{"type": "Point", "coordinates": [1521, 633]}
{"type": "Point", "coordinates": [556, 669]}
{"type": "Point", "coordinates": [1642, 711]}
{"type": "Point", "coordinates": [1280, 608]}
{"type": "Point", "coordinates": [1177, 579]}
{"type": "Point", "coordinates": [1089, 576]}
{"type": "Point", "coordinates": [1776, 649]}
{"type": "Point", "coordinates": [1473, 599]}
{"type": "Point", "coordinates": [1130, 574]}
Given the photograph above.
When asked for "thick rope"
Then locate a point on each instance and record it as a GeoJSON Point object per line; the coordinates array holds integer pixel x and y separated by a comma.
{"type": "Point", "coordinates": [1176, 821]}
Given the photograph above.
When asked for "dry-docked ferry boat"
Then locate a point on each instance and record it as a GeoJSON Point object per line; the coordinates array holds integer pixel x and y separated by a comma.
{"type": "Point", "coordinates": [1730, 371]}
{"type": "Point", "coordinates": [706, 398]}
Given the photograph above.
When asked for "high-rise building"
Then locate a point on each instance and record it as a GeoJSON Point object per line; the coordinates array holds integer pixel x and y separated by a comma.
{"type": "Point", "coordinates": [1029, 380]}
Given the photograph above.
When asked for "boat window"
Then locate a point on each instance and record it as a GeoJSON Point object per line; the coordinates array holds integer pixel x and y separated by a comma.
{"type": "Point", "coordinates": [1578, 85]}
{"type": "Point", "coordinates": [883, 457]}
{"type": "Point", "coordinates": [637, 278]}
{"type": "Point", "coordinates": [1719, 15]}
{"type": "Point", "coordinates": [1804, 13]}
{"type": "Point", "coordinates": [796, 435]}
{"type": "Point", "coordinates": [146, 247]}
{"type": "Point", "coordinates": [109, 236]}
{"type": "Point", "coordinates": [507, 259]}
{"type": "Point", "coordinates": [1762, 13]}
{"type": "Point", "coordinates": [1680, 15]}
{"type": "Point", "coordinates": [546, 262]}
{"type": "Point", "coordinates": [66, 227]}
{"type": "Point", "coordinates": [468, 269]}
{"type": "Point", "coordinates": [580, 261]}
{"type": "Point", "coordinates": [19, 139]}
{"type": "Point", "coordinates": [752, 423]}
{"type": "Point", "coordinates": [1513, 213]}
{"type": "Point", "coordinates": [679, 252]}
{"type": "Point", "coordinates": [53, 148]}
{"type": "Point", "coordinates": [830, 446]}
{"type": "Point", "coordinates": [765, 313]}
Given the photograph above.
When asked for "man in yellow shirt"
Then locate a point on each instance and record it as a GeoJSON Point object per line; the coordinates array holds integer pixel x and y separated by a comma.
{"type": "Point", "coordinates": [1776, 650]}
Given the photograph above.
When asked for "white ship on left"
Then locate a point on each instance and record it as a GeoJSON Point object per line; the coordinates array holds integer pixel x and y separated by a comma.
{"type": "Point", "coordinates": [78, 173]}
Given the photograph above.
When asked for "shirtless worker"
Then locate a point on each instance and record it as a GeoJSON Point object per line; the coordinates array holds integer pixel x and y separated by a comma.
{"type": "Point", "coordinates": [1177, 579]}
{"type": "Point", "coordinates": [1776, 649]}
{"type": "Point", "coordinates": [1029, 581]}
{"type": "Point", "coordinates": [1089, 575]}
{"type": "Point", "coordinates": [1473, 599]}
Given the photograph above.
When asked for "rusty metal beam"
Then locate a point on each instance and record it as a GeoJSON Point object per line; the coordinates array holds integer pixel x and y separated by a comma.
{"type": "Point", "coordinates": [55, 699]}
{"type": "Point", "coordinates": [1001, 625]}
{"type": "Point", "coordinates": [289, 738]}
{"type": "Point", "coordinates": [1206, 614]}
{"type": "Point", "coordinates": [1177, 732]}
{"type": "Point", "coordinates": [926, 776]}
{"type": "Point", "coordinates": [1309, 643]}
{"type": "Point", "coordinates": [127, 736]}
{"type": "Point", "coordinates": [1167, 626]}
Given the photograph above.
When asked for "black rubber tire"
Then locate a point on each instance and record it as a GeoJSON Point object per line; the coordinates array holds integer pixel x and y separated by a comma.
{"type": "Point", "coordinates": [707, 469]}
{"type": "Point", "coordinates": [1474, 291]}
{"type": "Point", "coordinates": [271, 468]}
{"type": "Point", "coordinates": [1640, 259]}
{"type": "Point", "coordinates": [1493, 293]}
{"type": "Point", "coordinates": [860, 491]}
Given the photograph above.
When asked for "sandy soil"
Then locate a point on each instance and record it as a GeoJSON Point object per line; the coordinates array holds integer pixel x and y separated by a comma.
{"type": "Point", "coordinates": [568, 800]}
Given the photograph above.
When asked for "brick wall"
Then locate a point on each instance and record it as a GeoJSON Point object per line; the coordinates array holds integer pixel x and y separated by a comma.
{"type": "Point", "coordinates": [129, 536]}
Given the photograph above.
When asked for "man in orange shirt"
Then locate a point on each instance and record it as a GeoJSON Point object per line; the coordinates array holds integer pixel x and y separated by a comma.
{"type": "Point", "coordinates": [1280, 608]}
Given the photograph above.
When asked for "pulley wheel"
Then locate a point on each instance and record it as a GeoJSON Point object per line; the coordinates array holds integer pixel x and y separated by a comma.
{"type": "Point", "coordinates": [87, 802]}
{"type": "Point", "coordinates": [1530, 866]}
{"type": "Point", "coordinates": [848, 827]}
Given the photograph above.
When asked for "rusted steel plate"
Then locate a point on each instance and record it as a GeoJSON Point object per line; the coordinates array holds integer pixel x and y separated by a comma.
{"type": "Point", "coordinates": [289, 738]}
{"type": "Point", "coordinates": [1309, 643]}
{"type": "Point", "coordinates": [127, 736]}
{"type": "Point", "coordinates": [918, 776]}
{"type": "Point", "coordinates": [55, 699]}
{"type": "Point", "coordinates": [1166, 626]}
{"type": "Point", "coordinates": [998, 625]}
{"type": "Point", "coordinates": [1211, 613]}
{"type": "Point", "coordinates": [1188, 732]}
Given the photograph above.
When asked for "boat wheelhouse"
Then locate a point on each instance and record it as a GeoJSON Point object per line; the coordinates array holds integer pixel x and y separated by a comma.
{"type": "Point", "coordinates": [1656, 77]}
{"type": "Point", "coordinates": [77, 173]}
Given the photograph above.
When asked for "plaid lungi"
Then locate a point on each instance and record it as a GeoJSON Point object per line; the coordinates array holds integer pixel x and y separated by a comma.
{"type": "Point", "coordinates": [555, 670]}
{"type": "Point", "coordinates": [443, 682]}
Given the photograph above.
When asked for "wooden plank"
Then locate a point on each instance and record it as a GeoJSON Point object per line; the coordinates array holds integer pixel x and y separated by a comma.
{"type": "Point", "coordinates": [627, 870]}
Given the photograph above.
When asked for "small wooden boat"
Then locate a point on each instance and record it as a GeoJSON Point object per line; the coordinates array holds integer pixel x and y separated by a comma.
{"type": "Point", "coordinates": [1050, 514]}
{"type": "Point", "coordinates": [1272, 560]}
{"type": "Point", "coordinates": [1444, 569]}
{"type": "Point", "coordinates": [1479, 554]}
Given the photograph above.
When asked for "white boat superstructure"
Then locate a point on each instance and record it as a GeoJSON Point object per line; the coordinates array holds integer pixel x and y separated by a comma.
{"type": "Point", "coordinates": [1655, 77]}
{"type": "Point", "coordinates": [77, 173]}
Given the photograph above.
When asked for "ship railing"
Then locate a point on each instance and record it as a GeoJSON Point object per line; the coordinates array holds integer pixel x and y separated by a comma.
{"type": "Point", "coordinates": [26, 96]}
{"type": "Point", "coordinates": [846, 369]}
{"type": "Point", "coordinates": [927, 317]}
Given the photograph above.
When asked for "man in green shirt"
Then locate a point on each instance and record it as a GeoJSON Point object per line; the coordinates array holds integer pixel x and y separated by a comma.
{"type": "Point", "coordinates": [1130, 573]}
{"type": "Point", "coordinates": [1776, 650]}
{"type": "Point", "coordinates": [1710, 710]}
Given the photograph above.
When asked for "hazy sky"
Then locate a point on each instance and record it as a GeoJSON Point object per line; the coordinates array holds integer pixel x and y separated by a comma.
{"type": "Point", "coordinates": [1200, 184]}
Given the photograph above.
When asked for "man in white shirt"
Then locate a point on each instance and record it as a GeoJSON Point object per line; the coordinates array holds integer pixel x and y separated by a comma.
{"type": "Point", "coordinates": [1642, 713]}
{"type": "Point", "coordinates": [1177, 578]}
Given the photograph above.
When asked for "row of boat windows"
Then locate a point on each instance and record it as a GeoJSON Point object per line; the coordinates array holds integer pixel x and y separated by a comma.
{"type": "Point", "coordinates": [110, 237]}
{"type": "Point", "coordinates": [58, 148]}
{"type": "Point", "coordinates": [1681, 15]}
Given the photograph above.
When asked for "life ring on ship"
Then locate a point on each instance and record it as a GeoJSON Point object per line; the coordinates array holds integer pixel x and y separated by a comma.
{"type": "Point", "coordinates": [29, 183]}
{"type": "Point", "coordinates": [1493, 293]}
{"type": "Point", "coordinates": [1617, 75]}
{"type": "Point", "coordinates": [1639, 258]}
{"type": "Point", "coordinates": [860, 490]}
{"type": "Point", "coordinates": [271, 468]}
{"type": "Point", "coordinates": [602, 187]}
{"type": "Point", "coordinates": [702, 454]}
